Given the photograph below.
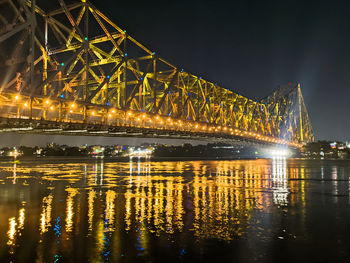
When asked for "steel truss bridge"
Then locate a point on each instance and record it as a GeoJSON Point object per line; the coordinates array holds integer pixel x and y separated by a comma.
{"type": "Point", "coordinates": [66, 68]}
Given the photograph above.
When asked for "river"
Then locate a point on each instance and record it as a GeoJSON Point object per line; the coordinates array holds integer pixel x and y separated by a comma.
{"type": "Point", "coordinates": [265, 210]}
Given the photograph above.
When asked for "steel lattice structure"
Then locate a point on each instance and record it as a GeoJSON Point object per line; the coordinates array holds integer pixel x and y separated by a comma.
{"type": "Point", "coordinates": [70, 63]}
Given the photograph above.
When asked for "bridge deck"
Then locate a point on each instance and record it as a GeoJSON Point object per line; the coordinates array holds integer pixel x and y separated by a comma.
{"type": "Point", "coordinates": [23, 114]}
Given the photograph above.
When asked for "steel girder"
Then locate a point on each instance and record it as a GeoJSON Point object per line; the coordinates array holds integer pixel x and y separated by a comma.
{"type": "Point", "coordinates": [75, 55]}
{"type": "Point", "coordinates": [288, 111]}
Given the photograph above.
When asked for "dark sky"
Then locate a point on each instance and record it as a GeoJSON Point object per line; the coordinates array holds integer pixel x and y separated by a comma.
{"type": "Point", "coordinates": [250, 47]}
{"type": "Point", "coordinates": [253, 46]}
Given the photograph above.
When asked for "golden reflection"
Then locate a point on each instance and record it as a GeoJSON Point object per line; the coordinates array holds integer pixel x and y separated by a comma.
{"type": "Point", "coordinates": [11, 234]}
{"type": "Point", "coordinates": [221, 196]}
{"type": "Point", "coordinates": [95, 256]}
{"type": "Point", "coordinates": [14, 173]}
{"type": "Point", "coordinates": [45, 217]}
{"type": "Point", "coordinates": [91, 208]}
{"type": "Point", "coordinates": [210, 199]}
{"type": "Point", "coordinates": [70, 208]}
{"type": "Point", "coordinates": [110, 206]}
{"type": "Point", "coordinates": [280, 182]}
{"type": "Point", "coordinates": [21, 218]}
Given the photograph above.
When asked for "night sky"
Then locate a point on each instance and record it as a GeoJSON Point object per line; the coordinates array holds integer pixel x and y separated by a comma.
{"type": "Point", "coordinates": [251, 47]}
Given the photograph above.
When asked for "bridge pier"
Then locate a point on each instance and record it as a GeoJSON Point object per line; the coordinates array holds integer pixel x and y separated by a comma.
{"type": "Point", "coordinates": [85, 113]}
{"type": "Point", "coordinates": [18, 111]}
{"type": "Point", "coordinates": [60, 111]}
{"type": "Point", "coordinates": [31, 107]}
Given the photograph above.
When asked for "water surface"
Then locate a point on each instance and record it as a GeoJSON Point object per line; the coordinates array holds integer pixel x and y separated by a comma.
{"type": "Point", "coordinates": [187, 211]}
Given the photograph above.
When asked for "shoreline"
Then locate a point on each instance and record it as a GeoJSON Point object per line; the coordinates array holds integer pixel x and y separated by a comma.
{"type": "Point", "coordinates": [114, 159]}
{"type": "Point", "coordinates": [78, 159]}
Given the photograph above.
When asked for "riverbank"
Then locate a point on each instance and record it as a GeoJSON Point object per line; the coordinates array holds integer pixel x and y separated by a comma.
{"type": "Point", "coordinates": [25, 159]}
{"type": "Point", "coordinates": [79, 159]}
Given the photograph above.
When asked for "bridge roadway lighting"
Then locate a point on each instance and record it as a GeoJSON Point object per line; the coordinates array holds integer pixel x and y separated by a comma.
{"type": "Point", "coordinates": [51, 108]}
{"type": "Point", "coordinates": [25, 104]}
{"type": "Point", "coordinates": [16, 97]}
{"type": "Point", "coordinates": [47, 101]}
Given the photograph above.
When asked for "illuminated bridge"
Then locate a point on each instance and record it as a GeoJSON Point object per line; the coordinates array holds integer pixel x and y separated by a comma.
{"type": "Point", "coordinates": [66, 68]}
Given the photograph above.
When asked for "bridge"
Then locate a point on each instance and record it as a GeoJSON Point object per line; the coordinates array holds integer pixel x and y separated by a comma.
{"type": "Point", "coordinates": [69, 69]}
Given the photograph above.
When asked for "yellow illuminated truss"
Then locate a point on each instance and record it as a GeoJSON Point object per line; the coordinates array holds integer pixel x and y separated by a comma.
{"type": "Point", "coordinates": [72, 63]}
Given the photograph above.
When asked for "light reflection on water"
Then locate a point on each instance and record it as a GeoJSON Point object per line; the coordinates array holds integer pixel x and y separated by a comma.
{"type": "Point", "coordinates": [148, 211]}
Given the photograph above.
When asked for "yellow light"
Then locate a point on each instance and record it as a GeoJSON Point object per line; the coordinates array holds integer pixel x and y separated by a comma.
{"type": "Point", "coordinates": [168, 119]}
{"type": "Point", "coordinates": [47, 101]}
{"type": "Point", "coordinates": [25, 104]}
{"type": "Point", "coordinates": [109, 115]}
{"type": "Point", "coordinates": [93, 113]}
{"type": "Point", "coordinates": [138, 119]}
{"type": "Point", "coordinates": [70, 111]}
{"type": "Point", "coordinates": [196, 126]}
{"type": "Point", "coordinates": [157, 118]}
{"type": "Point", "coordinates": [113, 111]}
{"type": "Point", "coordinates": [144, 116]}
{"type": "Point", "coordinates": [17, 97]}
{"type": "Point", "coordinates": [73, 105]}
{"type": "Point", "coordinates": [51, 108]}
{"type": "Point", "coordinates": [129, 113]}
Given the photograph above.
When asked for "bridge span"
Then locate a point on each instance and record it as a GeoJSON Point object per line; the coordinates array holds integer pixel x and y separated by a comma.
{"type": "Point", "coordinates": [69, 69]}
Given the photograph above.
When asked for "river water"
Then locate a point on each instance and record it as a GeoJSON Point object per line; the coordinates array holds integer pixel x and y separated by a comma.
{"type": "Point", "coordinates": [273, 210]}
